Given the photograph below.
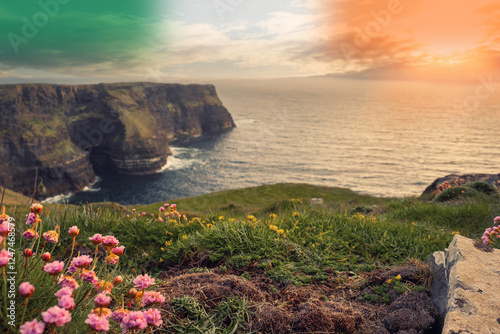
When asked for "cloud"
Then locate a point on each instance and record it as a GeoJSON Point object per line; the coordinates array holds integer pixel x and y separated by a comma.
{"type": "Point", "coordinates": [275, 41]}
{"type": "Point", "coordinates": [410, 39]}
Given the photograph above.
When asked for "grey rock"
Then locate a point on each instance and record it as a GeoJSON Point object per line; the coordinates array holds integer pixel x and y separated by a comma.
{"type": "Point", "coordinates": [493, 179]}
{"type": "Point", "coordinates": [317, 201]}
{"type": "Point", "coordinates": [465, 287]}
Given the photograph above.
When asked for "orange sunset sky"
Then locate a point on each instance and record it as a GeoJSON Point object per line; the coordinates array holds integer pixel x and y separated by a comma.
{"type": "Point", "coordinates": [445, 39]}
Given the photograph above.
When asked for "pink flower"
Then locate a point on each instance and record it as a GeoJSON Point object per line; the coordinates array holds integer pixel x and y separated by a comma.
{"type": "Point", "coordinates": [30, 218]}
{"type": "Point", "coordinates": [144, 213]}
{"type": "Point", "coordinates": [118, 314]}
{"type": "Point", "coordinates": [46, 257]}
{"type": "Point", "coordinates": [82, 261]}
{"type": "Point", "coordinates": [102, 300]}
{"type": "Point", "coordinates": [96, 239]}
{"type": "Point", "coordinates": [90, 276]}
{"type": "Point", "coordinates": [30, 234]}
{"type": "Point", "coordinates": [153, 317]}
{"type": "Point", "coordinates": [67, 302]}
{"type": "Point", "coordinates": [118, 250]}
{"type": "Point", "coordinates": [72, 269]}
{"type": "Point", "coordinates": [97, 323]}
{"type": "Point", "coordinates": [117, 280]}
{"type": "Point", "coordinates": [496, 220]}
{"type": "Point", "coordinates": [26, 289]}
{"type": "Point", "coordinates": [152, 297]}
{"type": "Point", "coordinates": [109, 241]}
{"type": "Point", "coordinates": [56, 315]}
{"type": "Point", "coordinates": [4, 229]}
{"type": "Point", "coordinates": [32, 327]}
{"type": "Point", "coordinates": [173, 206]}
{"type": "Point", "coordinates": [51, 236]}
{"type": "Point", "coordinates": [143, 282]}
{"type": "Point", "coordinates": [27, 252]}
{"type": "Point", "coordinates": [162, 208]}
{"type": "Point", "coordinates": [134, 320]}
{"type": "Point", "coordinates": [66, 291]}
{"type": "Point", "coordinates": [36, 208]}
{"type": "Point", "coordinates": [73, 231]}
{"type": "Point", "coordinates": [54, 268]}
{"type": "Point", "coordinates": [5, 257]}
{"type": "Point", "coordinates": [166, 205]}
{"type": "Point", "coordinates": [68, 282]}
{"type": "Point", "coordinates": [112, 259]}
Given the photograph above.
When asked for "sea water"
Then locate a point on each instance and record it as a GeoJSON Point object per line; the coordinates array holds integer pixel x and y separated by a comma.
{"type": "Point", "coordinates": [382, 138]}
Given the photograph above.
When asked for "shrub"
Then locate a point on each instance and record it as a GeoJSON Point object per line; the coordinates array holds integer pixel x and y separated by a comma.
{"type": "Point", "coordinates": [454, 193]}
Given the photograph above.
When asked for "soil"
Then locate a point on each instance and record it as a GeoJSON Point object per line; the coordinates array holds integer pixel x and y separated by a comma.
{"type": "Point", "coordinates": [328, 307]}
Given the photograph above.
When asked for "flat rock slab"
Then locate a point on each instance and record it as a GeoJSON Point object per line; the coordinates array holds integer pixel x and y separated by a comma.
{"type": "Point", "coordinates": [466, 287]}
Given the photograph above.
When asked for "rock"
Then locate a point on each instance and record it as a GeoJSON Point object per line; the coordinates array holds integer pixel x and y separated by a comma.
{"type": "Point", "coordinates": [69, 132]}
{"type": "Point", "coordinates": [317, 201]}
{"type": "Point", "coordinates": [493, 179]}
{"type": "Point", "coordinates": [465, 287]}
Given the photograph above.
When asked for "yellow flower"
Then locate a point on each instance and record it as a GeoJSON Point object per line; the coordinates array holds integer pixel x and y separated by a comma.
{"type": "Point", "coordinates": [295, 214]}
{"type": "Point", "coordinates": [162, 249]}
{"type": "Point", "coordinates": [184, 237]}
{"type": "Point", "coordinates": [280, 231]}
{"type": "Point", "coordinates": [455, 232]}
{"type": "Point", "coordinates": [398, 277]}
{"type": "Point", "coordinates": [168, 242]}
{"type": "Point", "coordinates": [209, 225]}
{"type": "Point", "coordinates": [221, 217]}
{"type": "Point", "coordinates": [389, 281]}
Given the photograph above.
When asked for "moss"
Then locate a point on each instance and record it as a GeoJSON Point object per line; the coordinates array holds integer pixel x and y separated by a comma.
{"type": "Point", "coordinates": [138, 125]}
{"type": "Point", "coordinates": [61, 152]}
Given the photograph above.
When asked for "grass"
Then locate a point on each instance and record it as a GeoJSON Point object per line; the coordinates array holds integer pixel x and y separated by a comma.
{"type": "Point", "coordinates": [271, 230]}
{"type": "Point", "coordinates": [267, 198]}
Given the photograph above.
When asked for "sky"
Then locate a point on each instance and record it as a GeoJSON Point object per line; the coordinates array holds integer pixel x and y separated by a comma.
{"type": "Point", "coordinates": [91, 41]}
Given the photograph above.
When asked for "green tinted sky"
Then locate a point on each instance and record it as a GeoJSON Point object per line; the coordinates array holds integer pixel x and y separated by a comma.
{"type": "Point", "coordinates": [80, 37]}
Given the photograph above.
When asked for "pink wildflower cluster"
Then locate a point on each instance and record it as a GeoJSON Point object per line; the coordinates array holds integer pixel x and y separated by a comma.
{"type": "Point", "coordinates": [81, 271]}
{"type": "Point", "coordinates": [57, 316]}
{"type": "Point", "coordinates": [492, 233]}
{"type": "Point", "coordinates": [5, 257]}
{"type": "Point", "coordinates": [143, 282]}
{"type": "Point", "coordinates": [82, 261]}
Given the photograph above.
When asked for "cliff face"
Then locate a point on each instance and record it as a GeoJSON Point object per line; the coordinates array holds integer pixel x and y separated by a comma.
{"type": "Point", "coordinates": [67, 132]}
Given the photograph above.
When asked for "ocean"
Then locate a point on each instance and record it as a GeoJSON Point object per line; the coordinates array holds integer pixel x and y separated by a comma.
{"type": "Point", "coordinates": [382, 138]}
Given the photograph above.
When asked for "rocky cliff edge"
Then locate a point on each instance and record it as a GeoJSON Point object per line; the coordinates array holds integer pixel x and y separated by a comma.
{"type": "Point", "coordinates": [68, 132]}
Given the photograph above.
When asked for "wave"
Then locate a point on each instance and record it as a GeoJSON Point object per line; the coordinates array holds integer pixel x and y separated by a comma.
{"type": "Point", "coordinates": [91, 187]}
{"type": "Point", "coordinates": [61, 198]}
{"type": "Point", "coordinates": [181, 158]}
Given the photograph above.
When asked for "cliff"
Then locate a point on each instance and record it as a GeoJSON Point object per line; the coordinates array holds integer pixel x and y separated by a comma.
{"type": "Point", "coordinates": [68, 132]}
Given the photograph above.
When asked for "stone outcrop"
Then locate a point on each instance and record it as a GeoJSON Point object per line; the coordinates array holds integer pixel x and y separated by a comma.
{"type": "Point", "coordinates": [466, 287]}
{"type": "Point", "coordinates": [493, 179]}
{"type": "Point", "coordinates": [66, 133]}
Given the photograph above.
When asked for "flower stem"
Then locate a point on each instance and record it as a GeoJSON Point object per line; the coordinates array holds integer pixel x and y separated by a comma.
{"type": "Point", "coordinates": [24, 311]}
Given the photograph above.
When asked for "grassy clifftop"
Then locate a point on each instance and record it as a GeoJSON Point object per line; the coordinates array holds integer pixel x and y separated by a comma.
{"type": "Point", "coordinates": [264, 258]}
